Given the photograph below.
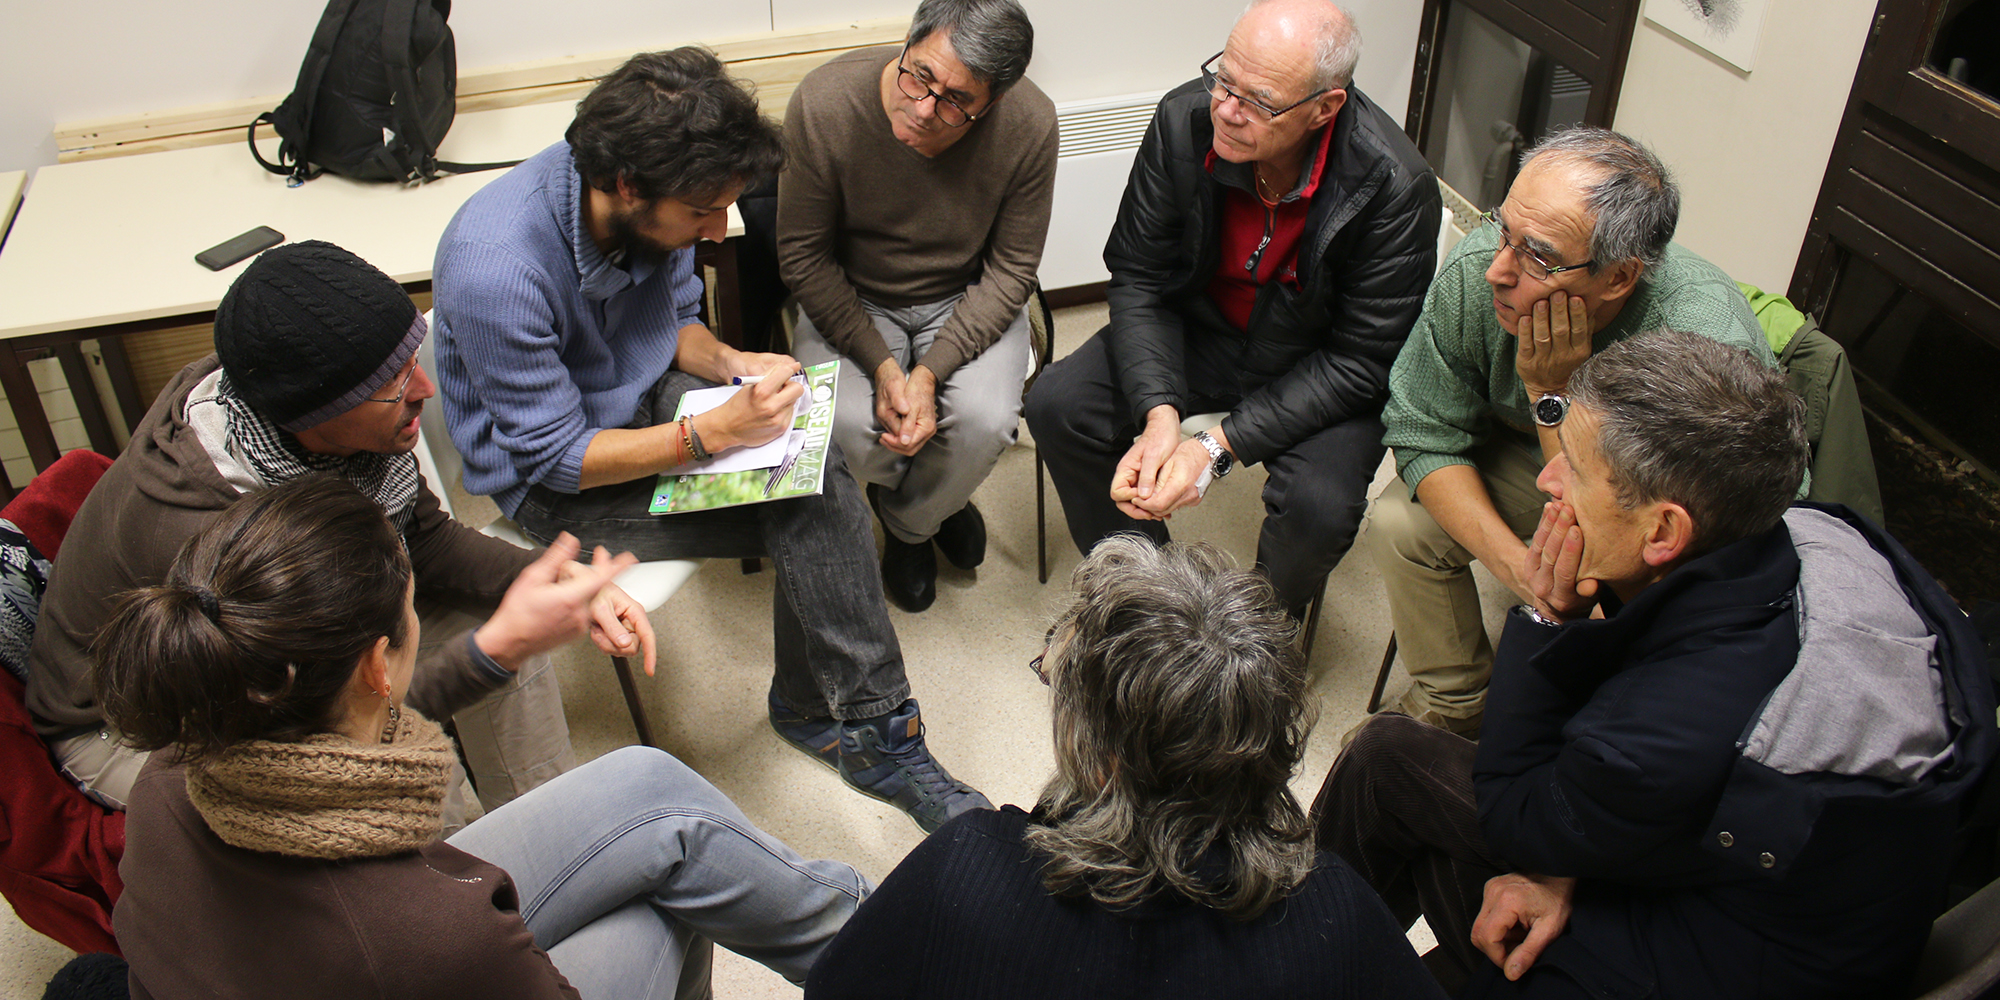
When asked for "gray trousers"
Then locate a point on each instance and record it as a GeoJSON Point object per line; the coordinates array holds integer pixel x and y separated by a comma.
{"type": "Point", "coordinates": [515, 738]}
{"type": "Point", "coordinates": [978, 416]}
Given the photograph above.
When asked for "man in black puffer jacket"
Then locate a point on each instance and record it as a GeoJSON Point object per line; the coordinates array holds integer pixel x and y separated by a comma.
{"type": "Point", "coordinates": [1271, 253]}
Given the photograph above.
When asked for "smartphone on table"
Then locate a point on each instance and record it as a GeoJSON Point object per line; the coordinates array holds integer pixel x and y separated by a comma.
{"type": "Point", "coordinates": [239, 248]}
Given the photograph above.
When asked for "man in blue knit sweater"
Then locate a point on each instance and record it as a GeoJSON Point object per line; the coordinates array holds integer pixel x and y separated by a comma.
{"type": "Point", "coordinates": [566, 311]}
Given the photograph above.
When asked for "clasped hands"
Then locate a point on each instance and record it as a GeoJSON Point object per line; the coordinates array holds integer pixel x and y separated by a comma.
{"type": "Point", "coordinates": [1159, 474]}
{"type": "Point", "coordinates": [1553, 563]}
{"type": "Point", "coordinates": [905, 406]}
{"type": "Point", "coordinates": [556, 599]}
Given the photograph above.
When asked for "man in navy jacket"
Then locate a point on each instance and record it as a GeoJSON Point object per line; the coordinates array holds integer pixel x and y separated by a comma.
{"type": "Point", "coordinates": [1743, 779]}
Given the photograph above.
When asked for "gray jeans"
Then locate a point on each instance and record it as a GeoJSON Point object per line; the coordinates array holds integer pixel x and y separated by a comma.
{"type": "Point", "coordinates": [836, 651]}
{"type": "Point", "coordinates": [978, 415]}
{"type": "Point", "coordinates": [515, 738]}
{"type": "Point", "coordinates": [630, 869]}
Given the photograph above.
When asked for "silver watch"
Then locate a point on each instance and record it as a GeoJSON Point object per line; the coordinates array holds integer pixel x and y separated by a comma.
{"type": "Point", "coordinates": [1220, 461]}
{"type": "Point", "coordinates": [1550, 409]}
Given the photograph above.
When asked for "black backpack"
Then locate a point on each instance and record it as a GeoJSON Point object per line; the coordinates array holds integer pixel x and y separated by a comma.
{"type": "Point", "coordinates": [374, 98]}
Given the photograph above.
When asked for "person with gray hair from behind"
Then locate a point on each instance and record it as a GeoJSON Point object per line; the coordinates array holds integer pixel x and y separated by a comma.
{"type": "Point", "coordinates": [911, 216]}
{"type": "Point", "coordinates": [1743, 779]}
{"type": "Point", "coordinates": [1167, 856]}
{"type": "Point", "coordinates": [1578, 257]}
{"type": "Point", "coordinates": [1269, 257]}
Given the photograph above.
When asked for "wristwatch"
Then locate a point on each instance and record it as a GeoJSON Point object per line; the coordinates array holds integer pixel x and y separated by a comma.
{"type": "Point", "coordinates": [1220, 461]}
{"type": "Point", "coordinates": [1550, 409]}
{"type": "Point", "coordinates": [1534, 614]}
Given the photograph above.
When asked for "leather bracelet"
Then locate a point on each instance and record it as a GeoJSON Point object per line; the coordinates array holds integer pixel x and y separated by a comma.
{"type": "Point", "coordinates": [694, 438]}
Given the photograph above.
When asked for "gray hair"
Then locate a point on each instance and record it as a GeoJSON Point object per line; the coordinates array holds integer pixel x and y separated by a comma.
{"type": "Point", "coordinates": [1180, 715]}
{"type": "Point", "coordinates": [1692, 421]}
{"type": "Point", "coordinates": [992, 37]}
{"type": "Point", "coordinates": [1336, 49]}
{"type": "Point", "coordinates": [1634, 203]}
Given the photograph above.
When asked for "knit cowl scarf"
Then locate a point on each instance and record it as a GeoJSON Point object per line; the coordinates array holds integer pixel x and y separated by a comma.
{"type": "Point", "coordinates": [327, 796]}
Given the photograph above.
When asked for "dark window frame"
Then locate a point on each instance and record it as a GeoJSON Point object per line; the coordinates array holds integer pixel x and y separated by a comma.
{"type": "Point", "coordinates": [1591, 37]}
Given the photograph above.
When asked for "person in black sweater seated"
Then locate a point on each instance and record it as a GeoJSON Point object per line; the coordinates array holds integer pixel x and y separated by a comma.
{"type": "Point", "coordinates": [1167, 856]}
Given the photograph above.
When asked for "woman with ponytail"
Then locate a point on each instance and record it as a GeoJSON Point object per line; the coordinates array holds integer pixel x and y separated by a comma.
{"type": "Point", "coordinates": [286, 844]}
{"type": "Point", "coordinates": [1167, 856]}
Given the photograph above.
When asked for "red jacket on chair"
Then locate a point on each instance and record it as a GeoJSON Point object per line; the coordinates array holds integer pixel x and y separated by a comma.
{"type": "Point", "coordinates": [59, 850]}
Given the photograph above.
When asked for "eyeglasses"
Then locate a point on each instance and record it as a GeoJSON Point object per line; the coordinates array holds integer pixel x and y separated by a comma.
{"type": "Point", "coordinates": [1036, 663]}
{"type": "Point", "coordinates": [1256, 107]}
{"type": "Point", "coordinates": [402, 389]}
{"type": "Point", "coordinates": [1532, 263]}
{"type": "Point", "coordinates": [948, 111]}
{"type": "Point", "coordinates": [1048, 641]}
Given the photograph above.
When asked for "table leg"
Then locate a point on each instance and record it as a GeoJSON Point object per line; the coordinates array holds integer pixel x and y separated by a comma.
{"type": "Point", "coordinates": [727, 324]}
{"type": "Point", "coordinates": [26, 402]}
{"type": "Point", "coordinates": [89, 405]}
{"type": "Point", "coordinates": [124, 388]}
{"type": "Point", "coordinates": [728, 297]}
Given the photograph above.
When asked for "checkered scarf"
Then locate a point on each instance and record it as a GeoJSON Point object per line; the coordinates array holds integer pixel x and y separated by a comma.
{"type": "Point", "coordinates": [389, 480]}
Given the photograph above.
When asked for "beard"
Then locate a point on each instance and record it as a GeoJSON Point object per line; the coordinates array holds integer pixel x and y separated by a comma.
{"type": "Point", "coordinates": [636, 245]}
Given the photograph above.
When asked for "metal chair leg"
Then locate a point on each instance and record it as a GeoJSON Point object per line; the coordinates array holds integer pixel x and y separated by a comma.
{"type": "Point", "coordinates": [632, 701]}
{"type": "Point", "coordinates": [1382, 675]}
{"type": "Point", "coordinates": [1312, 621]}
{"type": "Point", "coordinates": [1041, 518]}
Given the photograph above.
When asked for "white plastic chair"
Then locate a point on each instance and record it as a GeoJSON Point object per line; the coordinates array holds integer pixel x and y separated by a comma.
{"type": "Point", "coordinates": [651, 584]}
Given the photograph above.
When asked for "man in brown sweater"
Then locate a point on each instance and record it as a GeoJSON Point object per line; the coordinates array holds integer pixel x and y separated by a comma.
{"type": "Point", "coordinates": [316, 371]}
{"type": "Point", "coordinates": [911, 215]}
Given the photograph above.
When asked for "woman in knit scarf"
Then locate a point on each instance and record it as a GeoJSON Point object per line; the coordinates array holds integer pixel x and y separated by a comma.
{"type": "Point", "coordinates": [288, 845]}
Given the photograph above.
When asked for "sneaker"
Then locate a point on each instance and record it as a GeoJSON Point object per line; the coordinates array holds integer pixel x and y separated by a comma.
{"type": "Point", "coordinates": [816, 738]}
{"type": "Point", "coordinates": [886, 758]}
{"type": "Point", "coordinates": [962, 537]}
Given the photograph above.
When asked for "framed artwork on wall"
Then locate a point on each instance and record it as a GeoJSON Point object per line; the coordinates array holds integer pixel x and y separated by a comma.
{"type": "Point", "coordinates": [1726, 29]}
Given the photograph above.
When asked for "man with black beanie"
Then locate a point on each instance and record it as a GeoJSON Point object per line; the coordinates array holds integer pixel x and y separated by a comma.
{"type": "Point", "coordinates": [315, 372]}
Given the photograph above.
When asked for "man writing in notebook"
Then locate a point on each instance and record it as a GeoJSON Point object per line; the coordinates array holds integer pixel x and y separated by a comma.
{"type": "Point", "coordinates": [567, 307]}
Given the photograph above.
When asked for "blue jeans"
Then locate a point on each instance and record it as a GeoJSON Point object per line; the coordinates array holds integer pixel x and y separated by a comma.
{"type": "Point", "coordinates": [837, 654]}
{"type": "Point", "coordinates": [632, 866]}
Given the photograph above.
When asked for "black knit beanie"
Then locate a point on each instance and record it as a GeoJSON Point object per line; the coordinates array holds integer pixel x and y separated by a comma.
{"type": "Point", "coordinates": [309, 330]}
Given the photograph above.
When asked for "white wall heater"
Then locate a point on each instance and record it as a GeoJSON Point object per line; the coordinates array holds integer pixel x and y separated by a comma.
{"type": "Point", "coordinates": [1098, 139]}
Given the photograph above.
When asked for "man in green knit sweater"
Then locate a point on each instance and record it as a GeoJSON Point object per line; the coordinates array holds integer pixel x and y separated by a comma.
{"type": "Point", "coordinates": [1578, 257]}
{"type": "Point", "coordinates": [911, 216]}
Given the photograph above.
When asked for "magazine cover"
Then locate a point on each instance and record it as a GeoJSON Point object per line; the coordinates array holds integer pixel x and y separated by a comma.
{"type": "Point", "coordinates": [794, 469]}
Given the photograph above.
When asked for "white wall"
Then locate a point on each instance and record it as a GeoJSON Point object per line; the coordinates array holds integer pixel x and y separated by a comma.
{"type": "Point", "coordinates": [125, 57]}
{"type": "Point", "coordinates": [1750, 148]}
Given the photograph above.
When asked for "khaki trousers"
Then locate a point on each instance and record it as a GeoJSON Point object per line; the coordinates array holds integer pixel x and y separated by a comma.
{"type": "Point", "coordinates": [1433, 601]}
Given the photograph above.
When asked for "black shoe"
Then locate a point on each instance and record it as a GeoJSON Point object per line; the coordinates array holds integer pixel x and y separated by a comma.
{"type": "Point", "coordinates": [962, 537]}
{"type": "Point", "coordinates": [909, 573]}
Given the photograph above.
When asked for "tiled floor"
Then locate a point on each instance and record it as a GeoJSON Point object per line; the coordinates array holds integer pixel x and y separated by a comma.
{"type": "Point", "coordinates": [987, 716]}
